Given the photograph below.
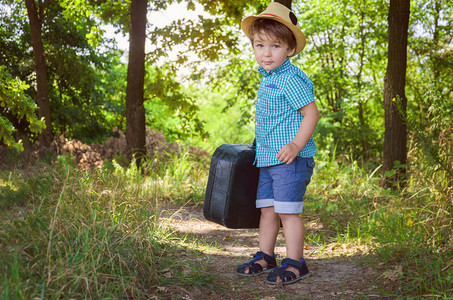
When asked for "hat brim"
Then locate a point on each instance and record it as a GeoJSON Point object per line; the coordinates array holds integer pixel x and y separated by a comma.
{"type": "Point", "coordinates": [300, 37]}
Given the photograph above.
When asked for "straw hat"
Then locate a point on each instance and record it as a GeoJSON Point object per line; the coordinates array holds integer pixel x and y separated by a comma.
{"type": "Point", "coordinates": [282, 14]}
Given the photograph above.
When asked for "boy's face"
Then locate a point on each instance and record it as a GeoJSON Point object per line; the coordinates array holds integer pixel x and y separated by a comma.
{"type": "Point", "coordinates": [270, 53]}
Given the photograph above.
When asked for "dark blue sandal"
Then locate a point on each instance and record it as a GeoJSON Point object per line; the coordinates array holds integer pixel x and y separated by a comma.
{"type": "Point", "coordinates": [255, 268]}
{"type": "Point", "coordinates": [287, 277]}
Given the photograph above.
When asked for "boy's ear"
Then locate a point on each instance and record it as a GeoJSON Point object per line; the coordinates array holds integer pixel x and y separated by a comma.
{"type": "Point", "coordinates": [291, 52]}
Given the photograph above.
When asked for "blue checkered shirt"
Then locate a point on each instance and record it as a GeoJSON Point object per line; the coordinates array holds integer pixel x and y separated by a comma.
{"type": "Point", "coordinates": [283, 91]}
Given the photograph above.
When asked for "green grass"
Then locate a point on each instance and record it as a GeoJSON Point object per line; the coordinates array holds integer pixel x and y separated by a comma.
{"type": "Point", "coordinates": [183, 181]}
{"type": "Point", "coordinates": [71, 233]}
{"type": "Point", "coordinates": [91, 234]}
{"type": "Point", "coordinates": [407, 230]}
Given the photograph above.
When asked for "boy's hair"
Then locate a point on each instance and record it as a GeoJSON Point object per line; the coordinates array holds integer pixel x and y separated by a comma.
{"type": "Point", "coordinates": [275, 29]}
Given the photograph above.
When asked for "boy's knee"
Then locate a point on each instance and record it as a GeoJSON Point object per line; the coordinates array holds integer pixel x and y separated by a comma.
{"type": "Point", "coordinates": [268, 211]}
{"type": "Point", "coordinates": [289, 217]}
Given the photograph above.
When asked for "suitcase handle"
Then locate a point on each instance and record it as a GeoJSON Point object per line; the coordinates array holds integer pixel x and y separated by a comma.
{"type": "Point", "coordinates": [253, 144]}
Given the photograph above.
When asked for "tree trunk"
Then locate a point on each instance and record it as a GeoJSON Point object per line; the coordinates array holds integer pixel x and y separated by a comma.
{"type": "Point", "coordinates": [135, 110]}
{"type": "Point", "coordinates": [42, 93]}
{"type": "Point", "coordinates": [395, 101]}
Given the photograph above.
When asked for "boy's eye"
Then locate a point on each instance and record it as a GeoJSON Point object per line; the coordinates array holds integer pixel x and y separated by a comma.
{"type": "Point", "coordinates": [276, 46]}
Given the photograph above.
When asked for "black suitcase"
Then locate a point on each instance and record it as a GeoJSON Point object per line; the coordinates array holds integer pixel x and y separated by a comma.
{"type": "Point", "coordinates": [231, 190]}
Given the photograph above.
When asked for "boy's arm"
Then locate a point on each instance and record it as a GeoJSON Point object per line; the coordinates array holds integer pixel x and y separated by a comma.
{"type": "Point", "coordinates": [290, 151]}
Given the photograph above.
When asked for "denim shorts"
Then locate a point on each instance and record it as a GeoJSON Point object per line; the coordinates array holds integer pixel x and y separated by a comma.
{"type": "Point", "coordinates": [283, 186]}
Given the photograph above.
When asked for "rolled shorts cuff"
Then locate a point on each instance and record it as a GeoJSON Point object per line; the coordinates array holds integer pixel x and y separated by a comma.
{"type": "Point", "coordinates": [260, 203]}
{"type": "Point", "coordinates": [288, 207]}
{"type": "Point", "coordinates": [281, 207]}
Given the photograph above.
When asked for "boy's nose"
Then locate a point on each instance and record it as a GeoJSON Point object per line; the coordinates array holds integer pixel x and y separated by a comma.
{"type": "Point", "coordinates": [267, 52]}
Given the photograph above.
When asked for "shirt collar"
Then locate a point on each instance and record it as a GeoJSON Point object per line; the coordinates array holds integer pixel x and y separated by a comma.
{"type": "Point", "coordinates": [283, 67]}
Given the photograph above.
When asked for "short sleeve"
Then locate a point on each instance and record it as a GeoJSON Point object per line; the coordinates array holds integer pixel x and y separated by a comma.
{"type": "Point", "coordinates": [299, 91]}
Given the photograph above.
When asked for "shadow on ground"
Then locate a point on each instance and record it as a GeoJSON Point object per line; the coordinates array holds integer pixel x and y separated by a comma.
{"type": "Point", "coordinates": [335, 277]}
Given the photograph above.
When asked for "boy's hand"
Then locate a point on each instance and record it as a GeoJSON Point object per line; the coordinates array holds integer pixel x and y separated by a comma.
{"type": "Point", "coordinates": [288, 153]}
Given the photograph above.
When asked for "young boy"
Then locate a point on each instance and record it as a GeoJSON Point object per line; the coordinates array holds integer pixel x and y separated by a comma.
{"type": "Point", "coordinates": [286, 117]}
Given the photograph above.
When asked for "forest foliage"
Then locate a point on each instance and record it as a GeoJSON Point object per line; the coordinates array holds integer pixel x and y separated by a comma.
{"type": "Point", "coordinates": [345, 57]}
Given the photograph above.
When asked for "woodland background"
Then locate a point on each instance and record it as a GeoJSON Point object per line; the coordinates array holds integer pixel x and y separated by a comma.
{"type": "Point", "coordinates": [75, 109]}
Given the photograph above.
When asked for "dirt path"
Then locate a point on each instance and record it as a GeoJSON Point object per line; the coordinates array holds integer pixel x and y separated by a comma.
{"type": "Point", "coordinates": [334, 275]}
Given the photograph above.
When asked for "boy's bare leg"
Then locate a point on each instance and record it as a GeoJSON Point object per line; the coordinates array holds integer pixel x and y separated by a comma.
{"type": "Point", "coordinates": [294, 231]}
{"type": "Point", "coordinates": [269, 227]}
{"type": "Point", "coordinates": [268, 231]}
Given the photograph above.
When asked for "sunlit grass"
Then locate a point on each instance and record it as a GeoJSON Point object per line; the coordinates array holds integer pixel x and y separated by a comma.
{"type": "Point", "coordinates": [79, 234]}
{"type": "Point", "coordinates": [74, 233]}
{"type": "Point", "coordinates": [409, 229]}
